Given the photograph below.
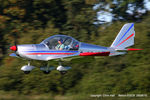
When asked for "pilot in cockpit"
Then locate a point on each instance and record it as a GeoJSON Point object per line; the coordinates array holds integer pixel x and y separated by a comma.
{"type": "Point", "coordinates": [60, 45]}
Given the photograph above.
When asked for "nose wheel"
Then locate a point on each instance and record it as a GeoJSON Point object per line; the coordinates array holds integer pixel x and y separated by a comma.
{"type": "Point", "coordinates": [27, 68]}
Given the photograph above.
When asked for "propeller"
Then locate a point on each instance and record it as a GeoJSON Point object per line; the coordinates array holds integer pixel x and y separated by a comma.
{"type": "Point", "coordinates": [8, 51]}
{"type": "Point", "coordinates": [8, 47]}
{"type": "Point", "coordinates": [14, 48]}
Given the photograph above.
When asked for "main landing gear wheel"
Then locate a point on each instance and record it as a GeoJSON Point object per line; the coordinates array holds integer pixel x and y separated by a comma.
{"type": "Point", "coordinates": [46, 72]}
{"type": "Point", "coordinates": [63, 72]}
{"type": "Point", "coordinates": [47, 69]}
{"type": "Point", "coordinates": [27, 72]}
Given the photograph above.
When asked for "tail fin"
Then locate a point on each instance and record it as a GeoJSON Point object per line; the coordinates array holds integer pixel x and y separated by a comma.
{"type": "Point", "coordinates": [125, 38]}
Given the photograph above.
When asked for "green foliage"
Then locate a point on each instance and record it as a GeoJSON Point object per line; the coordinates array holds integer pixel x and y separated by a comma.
{"type": "Point", "coordinates": [28, 22]}
{"type": "Point", "coordinates": [119, 9]}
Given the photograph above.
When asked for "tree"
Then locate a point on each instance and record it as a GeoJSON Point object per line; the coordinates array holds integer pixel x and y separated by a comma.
{"type": "Point", "coordinates": [121, 9]}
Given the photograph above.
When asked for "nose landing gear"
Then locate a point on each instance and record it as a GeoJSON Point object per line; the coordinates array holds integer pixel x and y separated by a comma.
{"type": "Point", "coordinates": [27, 68]}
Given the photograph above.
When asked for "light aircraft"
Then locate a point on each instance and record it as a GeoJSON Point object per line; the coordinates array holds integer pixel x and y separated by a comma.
{"type": "Point", "coordinates": [62, 46]}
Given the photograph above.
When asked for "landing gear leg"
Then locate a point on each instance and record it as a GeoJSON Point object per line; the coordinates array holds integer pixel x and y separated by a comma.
{"type": "Point", "coordinates": [61, 69]}
{"type": "Point", "coordinates": [27, 72]}
{"type": "Point", "coordinates": [29, 62]}
{"type": "Point", "coordinates": [47, 71]}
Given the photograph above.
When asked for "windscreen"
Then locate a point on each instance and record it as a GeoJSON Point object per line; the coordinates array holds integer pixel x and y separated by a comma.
{"type": "Point", "coordinates": [61, 42]}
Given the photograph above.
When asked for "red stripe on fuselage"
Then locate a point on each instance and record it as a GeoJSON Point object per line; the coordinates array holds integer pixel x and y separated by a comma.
{"type": "Point", "coordinates": [50, 53]}
{"type": "Point", "coordinates": [125, 39]}
{"type": "Point", "coordinates": [95, 54]}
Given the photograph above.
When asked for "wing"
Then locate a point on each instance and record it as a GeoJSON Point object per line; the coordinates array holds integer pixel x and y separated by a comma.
{"type": "Point", "coordinates": [13, 55]}
{"type": "Point", "coordinates": [65, 57]}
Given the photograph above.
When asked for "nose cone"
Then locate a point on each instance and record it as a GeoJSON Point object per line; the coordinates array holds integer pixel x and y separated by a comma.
{"type": "Point", "coordinates": [13, 48]}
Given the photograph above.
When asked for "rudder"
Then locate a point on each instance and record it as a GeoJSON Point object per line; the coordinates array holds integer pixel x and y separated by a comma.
{"type": "Point", "coordinates": [125, 38]}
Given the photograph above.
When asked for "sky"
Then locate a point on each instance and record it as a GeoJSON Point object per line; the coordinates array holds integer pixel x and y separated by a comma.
{"type": "Point", "coordinates": [107, 17]}
{"type": "Point", "coordinates": [147, 4]}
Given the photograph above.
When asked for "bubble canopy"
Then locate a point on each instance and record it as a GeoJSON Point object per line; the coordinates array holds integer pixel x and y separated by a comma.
{"type": "Point", "coordinates": [61, 42]}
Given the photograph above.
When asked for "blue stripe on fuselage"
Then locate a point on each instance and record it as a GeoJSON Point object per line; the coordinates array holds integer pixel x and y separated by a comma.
{"type": "Point", "coordinates": [52, 51]}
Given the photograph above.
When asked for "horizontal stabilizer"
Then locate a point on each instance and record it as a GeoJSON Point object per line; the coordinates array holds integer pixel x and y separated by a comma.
{"type": "Point", "coordinates": [117, 53]}
{"type": "Point", "coordinates": [133, 49]}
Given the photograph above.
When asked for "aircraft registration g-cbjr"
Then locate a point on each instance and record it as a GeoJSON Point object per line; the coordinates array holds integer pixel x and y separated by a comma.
{"type": "Point", "coordinates": [61, 46]}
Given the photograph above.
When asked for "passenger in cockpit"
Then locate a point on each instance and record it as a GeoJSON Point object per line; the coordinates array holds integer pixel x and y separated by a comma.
{"type": "Point", "coordinates": [60, 45]}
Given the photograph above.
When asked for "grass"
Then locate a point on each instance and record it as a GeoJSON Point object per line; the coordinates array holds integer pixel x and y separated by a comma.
{"type": "Point", "coordinates": [15, 96]}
